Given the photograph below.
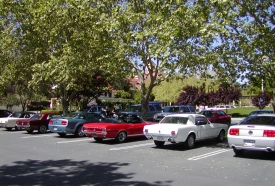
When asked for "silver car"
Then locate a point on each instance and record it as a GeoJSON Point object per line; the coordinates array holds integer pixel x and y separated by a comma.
{"type": "Point", "coordinates": [254, 133]}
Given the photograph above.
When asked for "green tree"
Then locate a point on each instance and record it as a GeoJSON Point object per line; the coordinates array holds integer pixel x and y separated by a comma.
{"type": "Point", "coordinates": [246, 39]}
{"type": "Point", "coordinates": [52, 43]}
{"type": "Point", "coordinates": [161, 38]}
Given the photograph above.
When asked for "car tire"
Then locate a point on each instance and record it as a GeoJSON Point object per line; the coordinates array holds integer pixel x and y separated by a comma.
{"type": "Point", "coordinates": [190, 142]}
{"type": "Point", "coordinates": [8, 128]}
{"type": "Point", "coordinates": [121, 137]}
{"type": "Point", "coordinates": [159, 143]}
{"type": "Point", "coordinates": [16, 128]}
{"type": "Point", "coordinates": [221, 136]}
{"type": "Point", "coordinates": [238, 152]}
{"type": "Point", "coordinates": [42, 129]}
{"type": "Point", "coordinates": [62, 134]}
{"type": "Point", "coordinates": [98, 139]}
{"type": "Point", "coordinates": [78, 132]}
{"type": "Point", "coordinates": [29, 131]}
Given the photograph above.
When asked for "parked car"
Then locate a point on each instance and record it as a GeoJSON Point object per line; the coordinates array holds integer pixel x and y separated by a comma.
{"type": "Point", "coordinates": [166, 110]}
{"type": "Point", "coordinates": [186, 128]}
{"type": "Point", "coordinates": [253, 133]}
{"type": "Point", "coordinates": [125, 126]}
{"type": "Point", "coordinates": [216, 116]}
{"type": "Point", "coordinates": [72, 124]}
{"type": "Point", "coordinates": [38, 122]}
{"type": "Point", "coordinates": [10, 122]}
{"type": "Point", "coordinates": [260, 112]}
{"type": "Point", "coordinates": [4, 113]}
{"type": "Point", "coordinates": [152, 109]}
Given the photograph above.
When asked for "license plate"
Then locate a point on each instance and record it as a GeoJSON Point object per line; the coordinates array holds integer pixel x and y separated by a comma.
{"type": "Point", "coordinates": [160, 138]}
{"type": "Point", "coordinates": [55, 128]}
{"type": "Point", "coordinates": [249, 142]}
{"type": "Point", "coordinates": [94, 135]}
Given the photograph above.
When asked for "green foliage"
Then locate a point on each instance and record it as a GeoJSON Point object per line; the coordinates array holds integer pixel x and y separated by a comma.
{"type": "Point", "coordinates": [122, 94]}
{"type": "Point", "coordinates": [10, 101]}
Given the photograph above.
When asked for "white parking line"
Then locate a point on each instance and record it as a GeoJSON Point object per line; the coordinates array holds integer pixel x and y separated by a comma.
{"type": "Point", "coordinates": [74, 141]}
{"type": "Point", "coordinates": [132, 146]}
{"type": "Point", "coordinates": [209, 154]}
{"type": "Point", "coordinates": [38, 136]}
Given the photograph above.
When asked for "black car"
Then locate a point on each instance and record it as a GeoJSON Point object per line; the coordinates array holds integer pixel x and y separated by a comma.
{"type": "Point", "coordinates": [174, 109]}
{"type": "Point", "coordinates": [5, 113]}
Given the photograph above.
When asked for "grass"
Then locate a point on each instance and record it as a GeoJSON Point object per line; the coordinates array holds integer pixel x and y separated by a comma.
{"type": "Point", "coordinates": [243, 111]}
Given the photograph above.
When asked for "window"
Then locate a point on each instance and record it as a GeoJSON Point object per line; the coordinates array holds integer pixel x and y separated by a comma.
{"type": "Point", "coordinates": [174, 120]}
{"type": "Point", "coordinates": [200, 120]}
{"type": "Point", "coordinates": [151, 108]}
{"type": "Point", "coordinates": [259, 120]}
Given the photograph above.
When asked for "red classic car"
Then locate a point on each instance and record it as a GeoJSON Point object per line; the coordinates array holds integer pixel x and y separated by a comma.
{"type": "Point", "coordinates": [38, 122]}
{"type": "Point", "coordinates": [125, 126]}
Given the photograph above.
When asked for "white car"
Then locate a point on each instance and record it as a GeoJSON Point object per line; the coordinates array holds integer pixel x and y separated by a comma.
{"type": "Point", "coordinates": [10, 121]}
{"type": "Point", "coordinates": [255, 133]}
{"type": "Point", "coordinates": [187, 128]}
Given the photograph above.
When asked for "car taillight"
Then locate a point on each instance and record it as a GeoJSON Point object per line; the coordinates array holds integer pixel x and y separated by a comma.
{"type": "Point", "coordinates": [64, 122]}
{"type": "Point", "coordinates": [234, 132]}
{"type": "Point", "coordinates": [269, 133]}
{"type": "Point", "coordinates": [146, 130]}
{"type": "Point", "coordinates": [51, 122]}
{"type": "Point", "coordinates": [173, 133]}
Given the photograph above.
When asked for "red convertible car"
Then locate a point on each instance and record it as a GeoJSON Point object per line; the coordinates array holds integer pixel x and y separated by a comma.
{"type": "Point", "coordinates": [38, 122]}
{"type": "Point", "coordinates": [125, 126]}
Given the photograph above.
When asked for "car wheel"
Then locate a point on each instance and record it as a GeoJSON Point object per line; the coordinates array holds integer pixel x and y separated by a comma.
{"type": "Point", "coordinates": [16, 128]}
{"type": "Point", "coordinates": [238, 152]}
{"type": "Point", "coordinates": [42, 129]}
{"type": "Point", "coordinates": [190, 142]}
{"type": "Point", "coordinates": [121, 137]}
{"type": "Point", "coordinates": [78, 132]}
{"type": "Point", "coordinates": [221, 136]}
{"type": "Point", "coordinates": [98, 139]}
{"type": "Point", "coordinates": [8, 128]}
{"type": "Point", "coordinates": [29, 131]}
{"type": "Point", "coordinates": [62, 134]}
{"type": "Point", "coordinates": [159, 143]}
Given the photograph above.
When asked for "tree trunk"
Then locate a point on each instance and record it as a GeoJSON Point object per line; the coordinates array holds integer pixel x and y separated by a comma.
{"type": "Point", "coordinates": [144, 102]}
{"type": "Point", "coordinates": [65, 105]}
{"type": "Point", "coordinates": [273, 102]}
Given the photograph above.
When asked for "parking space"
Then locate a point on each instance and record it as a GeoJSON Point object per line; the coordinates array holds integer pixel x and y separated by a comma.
{"type": "Point", "coordinates": [135, 162]}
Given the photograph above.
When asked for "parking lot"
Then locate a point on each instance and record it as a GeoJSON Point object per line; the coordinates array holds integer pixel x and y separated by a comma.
{"type": "Point", "coordinates": [47, 159]}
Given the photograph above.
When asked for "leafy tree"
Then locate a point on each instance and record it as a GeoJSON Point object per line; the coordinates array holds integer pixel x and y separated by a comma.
{"type": "Point", "coordinates": [189, 96]}
{"type": "Point", "coordinates": [52, 43]}
{"type": "Point", "coordinates": [246, 39]}
{"type": "Point", "coordinates": [261, 100]}
{"type": "Point", "coordinates": [158, 38]}
{"type": "Point", "coordinates": [227, 94]}
{"type": "Point", "coordinates": [10, 101]}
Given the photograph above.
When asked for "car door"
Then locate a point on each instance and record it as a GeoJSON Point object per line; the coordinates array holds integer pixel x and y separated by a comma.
{"type": "Point", "coordinates": [221, 117]}
{"type": "Point", "coordinates": [151, 111]}
{"type": "Point", "coordinates": [138, 125]}
{"type": "Point", "coordinates": [205, 128]}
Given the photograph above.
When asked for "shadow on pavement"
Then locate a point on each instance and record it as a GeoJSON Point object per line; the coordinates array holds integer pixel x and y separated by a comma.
{"type": "Point", "coordinates": [68, 172]}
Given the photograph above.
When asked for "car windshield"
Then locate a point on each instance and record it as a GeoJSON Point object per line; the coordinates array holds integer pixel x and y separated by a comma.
{"type": "Point", "coordinates": [258, 120]}
{"type": "Point", "coordinates": [261, 112]}
{"type": "Point", "coordinates": [208, 114]}
{"type": "Point", "coordinates": [16, 115]}
{"type": "Point", "coordinates": [174, 120]}
{"type": "Point", "coordinates": [72, 114]}
{"type": "Point", "coordinates": [36, 116]}
{"type": "Point", "coordinates": [134, 108]}
{"type": "Point", "coordinates": [171, 109]}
